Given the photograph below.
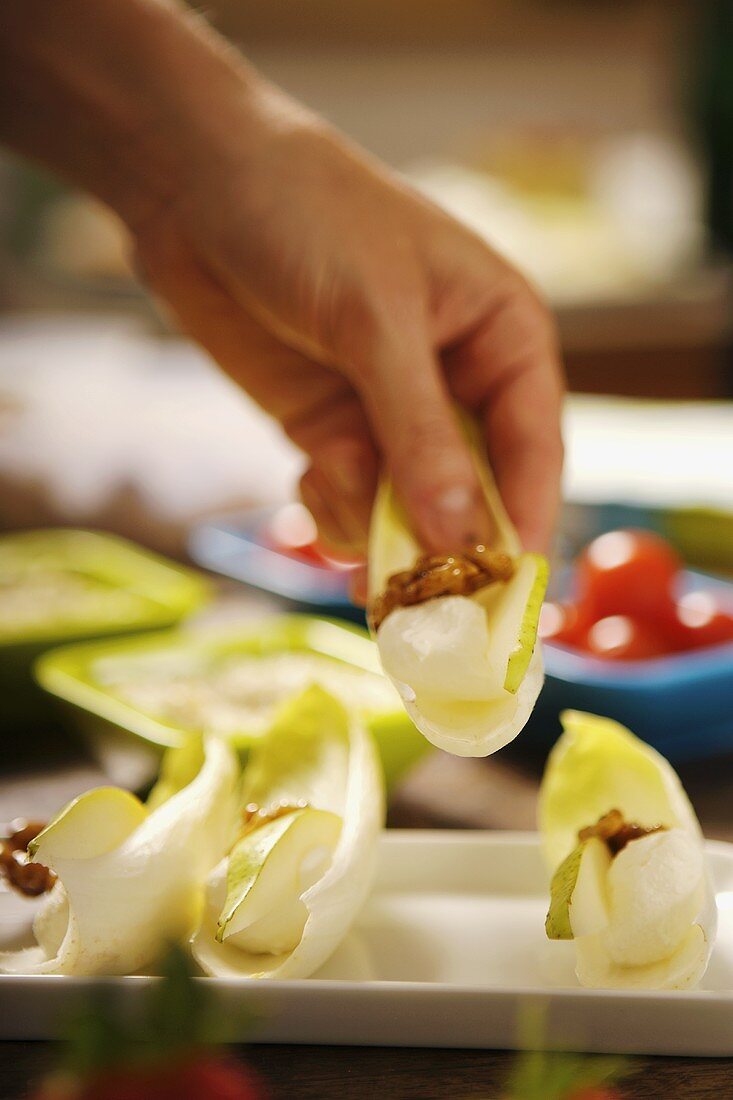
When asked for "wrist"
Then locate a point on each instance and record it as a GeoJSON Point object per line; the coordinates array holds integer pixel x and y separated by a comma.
{"type": "Point", "coordinates": [187, 96]}
{"type": "Point", "coordinates": [129, 99]}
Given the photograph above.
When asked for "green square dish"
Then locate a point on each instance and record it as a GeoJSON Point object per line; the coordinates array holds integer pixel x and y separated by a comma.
{"type": "Point", "coordinates": [136, 696]}
{"type": "Point", "coordinates": [60, 585]}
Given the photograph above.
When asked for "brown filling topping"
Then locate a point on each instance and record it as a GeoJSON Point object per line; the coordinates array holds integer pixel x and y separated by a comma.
{"type": "Point", "coordinates": [616, 832]}
{"type": "Point", "coordinates": [254, 816]}
{"type": "Point", "coordinates": [23, 875]}
{"type": "Point", "coordinates": [442, 575]}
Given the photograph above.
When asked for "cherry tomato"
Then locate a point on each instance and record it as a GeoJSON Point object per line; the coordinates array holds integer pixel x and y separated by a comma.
{"type": "Point", "coordinates": [622, 638]}
{"type": "Point", "coordinates": [700, 620]}
{"type": "Point", "coordinates": [629, 573]}
{"type": "Point", "coordinates": [563, 623]}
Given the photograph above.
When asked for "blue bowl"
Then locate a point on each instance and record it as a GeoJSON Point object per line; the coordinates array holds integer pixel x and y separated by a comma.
{"type": "Point", "coordinates": [233, 546]}
{"type": "Point", "coordinates": [682, 704]}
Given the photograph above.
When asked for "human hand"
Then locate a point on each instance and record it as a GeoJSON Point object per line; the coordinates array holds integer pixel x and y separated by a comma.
{"type": "Point", "coordinates": [356, 312]}
{"type": "Point", "coordinates": [349, 307]}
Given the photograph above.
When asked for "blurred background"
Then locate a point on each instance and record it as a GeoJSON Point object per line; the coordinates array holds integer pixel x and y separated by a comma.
{"type": "Point", "coordinates": [590, 141]}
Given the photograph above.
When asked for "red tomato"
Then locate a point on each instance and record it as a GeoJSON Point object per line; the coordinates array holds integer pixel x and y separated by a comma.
{"type": "Point", "coordinates": [701, 621]}
{"type": "Point", "coordinates": [563, 623]}
{"type": "Point", "coordinates": [621, 638]}
{"type": "Point", "coordinates": [628, 573]}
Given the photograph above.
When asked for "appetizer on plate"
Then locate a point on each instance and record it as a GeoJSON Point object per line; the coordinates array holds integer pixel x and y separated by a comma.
{"type": "Point", "coordinates": [263, 877]}
{"type": "Point", "coordinates": [128, 877]}
{"type": "Point", "coordinates": [457, 634]}
{"type": "Point", "coordinates": [629, 881]}
{"type": "Point", "coordinates": [302, 865]}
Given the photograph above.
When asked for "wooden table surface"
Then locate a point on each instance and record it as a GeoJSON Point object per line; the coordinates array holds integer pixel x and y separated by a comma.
{"type": "Point", "coordinates": [353, 1073]}
{"type": "Point", "coordinates": [357, 1073]}
{"type": "Point", "coordinates": [443, 791]}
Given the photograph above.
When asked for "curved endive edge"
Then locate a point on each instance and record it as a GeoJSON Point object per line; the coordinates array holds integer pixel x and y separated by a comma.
{"type": "Point", "coordinates": [682, 970]}
{"type": "Point", "coordinates": [332, 903]}
{"type": "Point", "coordinates": [558, 842]}
{"type": "Point", "coordinates": [477, 740]}
{"type": "Point", "coordinates": [687, 966]}
{"type": "Point", "coordinates": [112, 914]}
{"type": "Point", "coordinates": [392, 547]}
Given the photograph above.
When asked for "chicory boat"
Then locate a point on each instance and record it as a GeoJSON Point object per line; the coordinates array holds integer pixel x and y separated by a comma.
{"type": "Point", "coordinates": [457, 634]}
{"type": "Point", "coordinates": [630, 886]}
{"type": "Point", "coordinates": [130, 876]}
{"type": "Point", "coordinates": [283, 898]}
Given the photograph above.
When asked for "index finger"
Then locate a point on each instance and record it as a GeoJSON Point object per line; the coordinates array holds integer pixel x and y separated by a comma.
{"type": "Point", "coordinates": [509, 370]}
{"type": "Point", "coordinates": [524, 442]}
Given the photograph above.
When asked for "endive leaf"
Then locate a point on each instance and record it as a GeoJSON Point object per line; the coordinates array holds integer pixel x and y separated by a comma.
{"type": "Point", "coordinates": [468, 668]}
{"type": "Point", "coordinates": [598, 765]}
{"type": "Point", "coordinates": [291, 887]}
{"type": "Point", "coordinates": [90, 825]}
{"type": "Point", "coordinates": [392, 544]}
{"type": "Point", "coordinates": [129, 880]}
{"type": "Point", "coordinates": [305, 755]}
{"type": "Point", "coordinates": [646, 918]}
{"type": "Point", "coordinates": [180, 765]}
{"type": "Point", "coordinates": [296, 848]}
{"type": "Point", "coordinates": [579, 887]}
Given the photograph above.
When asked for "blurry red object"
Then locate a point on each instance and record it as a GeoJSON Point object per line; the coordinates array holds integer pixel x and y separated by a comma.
{"type": "Point", "coordinates": [626, 608]}
{"type": "Point", "coordinates": [627, 573]}
{"type": "Point", "coordinates": [700, 620]}
{"type": "Point", "coordinates": [563, 623]}
{"type": "Point", "coordinates": [621, 638]}
{"type": "Point", "coordinates": [207, 1077]}
{"type": "Point", "coordinates": [292, 531]}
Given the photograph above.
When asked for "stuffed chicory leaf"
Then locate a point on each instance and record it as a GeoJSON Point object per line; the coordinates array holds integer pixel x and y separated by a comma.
{"type": "Point", "coordinates": [629, 880]}
{"type": "Point", "coordinates": [457, 634]}
{"type": "Point", "coordinates": [281, 901]}
{"type": "Point", "coordinates": [130, 876]}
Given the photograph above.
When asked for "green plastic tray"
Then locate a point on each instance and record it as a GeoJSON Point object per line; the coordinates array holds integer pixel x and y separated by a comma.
{"type": "Point", "coordinates": [111, 723]}
{"type": "Point", "coordinates": [167, 592]}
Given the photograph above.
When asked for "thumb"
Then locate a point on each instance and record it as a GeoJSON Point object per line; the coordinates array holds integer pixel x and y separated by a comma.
{"type": "Point", "coordinates": [426, 454]}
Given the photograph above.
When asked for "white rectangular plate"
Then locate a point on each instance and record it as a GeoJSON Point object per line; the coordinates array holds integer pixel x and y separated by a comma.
{"type": "Point", "coordinates": [450, 951]}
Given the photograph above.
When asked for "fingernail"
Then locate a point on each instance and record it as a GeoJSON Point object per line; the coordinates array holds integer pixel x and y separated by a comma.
{"type": "Point", "coordinates": [455, 501]}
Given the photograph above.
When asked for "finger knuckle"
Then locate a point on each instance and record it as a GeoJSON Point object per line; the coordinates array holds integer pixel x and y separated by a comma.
{"type": "Point", "coordinates": [307, 486]}
{"type": "Point", "coordinates": [353, 325]}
